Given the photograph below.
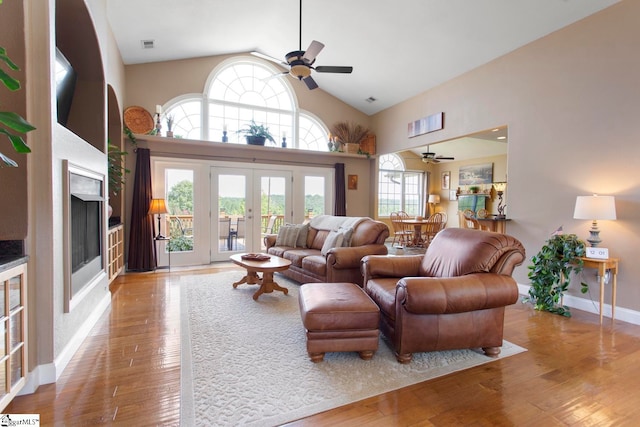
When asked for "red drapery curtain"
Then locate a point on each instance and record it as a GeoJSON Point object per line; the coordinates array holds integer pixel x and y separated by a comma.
{"type": "Point", "coordinates": [142, 252]}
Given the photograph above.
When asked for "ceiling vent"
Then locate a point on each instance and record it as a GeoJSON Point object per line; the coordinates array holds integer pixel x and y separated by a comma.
{"type": "Point", "coordinates": [371, 99]}
{"type": "Point", "coordinates": [147, 44]}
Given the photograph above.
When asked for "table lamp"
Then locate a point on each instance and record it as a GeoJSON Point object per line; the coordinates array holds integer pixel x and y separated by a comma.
{"type": "Point", "coordinates": [594, 208]}
{"type": "Point", "coordinates": [500, 187]}
{"type": "Point", "coordinates": [434, 199]}
{"type": "Point", "coordinates": [158, 207]}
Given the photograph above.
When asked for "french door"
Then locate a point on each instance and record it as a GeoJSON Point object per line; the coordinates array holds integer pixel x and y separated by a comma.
{"type": "Point", "coordinates": [245, 205]}
{"type": "Point", "coordinates": [216, 209]}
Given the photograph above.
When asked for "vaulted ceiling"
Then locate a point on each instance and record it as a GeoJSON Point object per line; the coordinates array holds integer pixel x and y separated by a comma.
{"type": "Point", "coordinates": [398, 48]}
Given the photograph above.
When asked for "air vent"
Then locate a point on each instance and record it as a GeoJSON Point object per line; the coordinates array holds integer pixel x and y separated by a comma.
{"type": "Point", "coordinates": [147, 44]}
{"type": "Point", "coordinates": [371, 99]}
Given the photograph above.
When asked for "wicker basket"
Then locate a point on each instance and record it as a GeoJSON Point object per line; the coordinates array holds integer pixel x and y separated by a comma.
{"type": "Point", "coordinates": [351, 148]}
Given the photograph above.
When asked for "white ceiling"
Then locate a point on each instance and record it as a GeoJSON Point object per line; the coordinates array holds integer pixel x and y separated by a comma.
{"type": "Point", "coordinates": [398, 48]}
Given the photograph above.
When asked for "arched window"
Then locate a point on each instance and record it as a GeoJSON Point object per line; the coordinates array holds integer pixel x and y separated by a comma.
{"type": "Point", "coordinates": [241, 90]}
{"type": "Point", "coordinates": [398, 189]}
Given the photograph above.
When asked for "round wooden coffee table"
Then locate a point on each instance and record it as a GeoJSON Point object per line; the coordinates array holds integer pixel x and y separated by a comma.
{"type": "Point", "coordinates": [267, 268]}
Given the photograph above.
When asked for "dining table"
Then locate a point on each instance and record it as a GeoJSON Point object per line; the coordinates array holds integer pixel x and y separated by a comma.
{"type": "Point", "coordinates": [417, 224]}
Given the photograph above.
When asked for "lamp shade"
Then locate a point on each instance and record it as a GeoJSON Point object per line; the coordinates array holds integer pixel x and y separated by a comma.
{"type": "Point", "coordinates": [500, 186]}
{"type": "Point", "coordinates": [434, 198]}
{"type": "Point", "coordinates": [157, 207]}
{"type": "Point", "coordinates": [595, 207]}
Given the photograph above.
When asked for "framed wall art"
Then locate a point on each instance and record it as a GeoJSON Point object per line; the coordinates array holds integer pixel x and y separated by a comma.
{"type": "Point", "coordinates": [446, 180]}
{"type": "Point", "coordinates": [476, 174]}
{"type": "Point", "coordinates": [353, 182]}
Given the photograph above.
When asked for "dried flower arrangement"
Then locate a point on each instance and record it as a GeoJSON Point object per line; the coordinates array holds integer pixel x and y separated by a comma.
{"type": "Point", "coordinates": [349, 133]}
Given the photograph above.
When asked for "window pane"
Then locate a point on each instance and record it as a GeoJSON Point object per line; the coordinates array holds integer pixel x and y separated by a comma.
{"type": "Point", "coordinates": [232, 205]}
{"type": "Point", "coordinates": [311, 135]}
{"type": "Point", "coordinates": [314, 196]}
{"type": "Point", "coordinates": [179, 185]}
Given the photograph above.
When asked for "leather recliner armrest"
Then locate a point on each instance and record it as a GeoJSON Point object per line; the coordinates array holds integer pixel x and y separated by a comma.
{"type": "Point", "coordinates": [349, 257]}
{"type": "Point", "coordinates": [440, 295]}
{"type": "Point", "coordinates": [390, 266]}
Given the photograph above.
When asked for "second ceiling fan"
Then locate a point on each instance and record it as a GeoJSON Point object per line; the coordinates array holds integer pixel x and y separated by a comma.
{"type": "Point", "coordinates": [300, 62]}
{"type": "Point", "coordinates": [430, 157]}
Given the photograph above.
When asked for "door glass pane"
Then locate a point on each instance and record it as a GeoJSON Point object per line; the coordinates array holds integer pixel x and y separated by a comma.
{"type": "Point", "coordinates": [232, 212]}
{"type": "Point", "coordinates": [272, 203]}
{"type": "Point", "coordinates": [314, 201]}
{"type": "Point", "coordinates": [179, 185]}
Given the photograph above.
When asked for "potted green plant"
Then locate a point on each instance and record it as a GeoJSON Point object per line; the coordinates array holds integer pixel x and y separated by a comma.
{"type": "Point", "coordinates": [256, 134]}
{"type": "Point", "coordinates": [116, 170]}
{"type": "Point", "coordinates": [9, 120]}
{"type": "Point", "coordinates": [551, 271]}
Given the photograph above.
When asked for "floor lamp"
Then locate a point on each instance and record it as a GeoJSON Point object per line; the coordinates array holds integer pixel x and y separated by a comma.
{"type": "Point", "coordinates": [158, 207]}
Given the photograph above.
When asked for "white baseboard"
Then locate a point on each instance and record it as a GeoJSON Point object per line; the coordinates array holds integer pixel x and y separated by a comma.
{"type": "Point", "coordinates": [591, 306]}
{"type": "Point", "coordinates": [50, 372]}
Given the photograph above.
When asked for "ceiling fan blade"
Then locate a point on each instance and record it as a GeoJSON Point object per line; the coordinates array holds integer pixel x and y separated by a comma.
{"type": "Point", "coordinates": [333, 69]}
{"type": "Point", "coordinates": [311, 84]}
{"type": "Point", "coordinates": [312, 51]}
{"type": "Point", "coordinates": [273, 76]}
{"type": "Point", "coordinates": [445, 158]}
{"type": "Point", "coordinates": [269, 58]}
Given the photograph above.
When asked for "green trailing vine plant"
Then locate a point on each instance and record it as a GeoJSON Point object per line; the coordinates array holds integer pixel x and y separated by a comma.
{"type": "Point", "coordinates": [550, 273]}
{"type": "Point", "coordinates": [10, 121]}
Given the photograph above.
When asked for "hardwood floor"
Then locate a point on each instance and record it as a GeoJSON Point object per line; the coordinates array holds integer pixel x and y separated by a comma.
{"type": "Point", "coordinates": [575, 372]}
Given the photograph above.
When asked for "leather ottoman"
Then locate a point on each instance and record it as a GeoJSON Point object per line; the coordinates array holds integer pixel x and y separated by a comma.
{"type": "Point", "coordinates": [338, 317]}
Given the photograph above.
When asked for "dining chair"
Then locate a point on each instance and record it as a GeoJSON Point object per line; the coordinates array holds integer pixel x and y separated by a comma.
{"type": "Point", "coordinates": [224, 233]}
{"type": "Point", "coordinates": [240, 231]}
{"type": "Point", "coordinates": [435, 224]}
{"type": "Point", "coordinates": [400, 231]}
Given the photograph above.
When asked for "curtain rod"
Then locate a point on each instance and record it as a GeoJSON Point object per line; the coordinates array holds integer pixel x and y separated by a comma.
{"type": "Point", "coordinates": [240, 159]}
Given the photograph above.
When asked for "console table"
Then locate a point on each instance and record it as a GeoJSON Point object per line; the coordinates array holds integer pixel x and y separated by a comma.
{"type": "Point", "coordinates": [498, 225]}
{"type": "Point", "coordinates": [602, 265]}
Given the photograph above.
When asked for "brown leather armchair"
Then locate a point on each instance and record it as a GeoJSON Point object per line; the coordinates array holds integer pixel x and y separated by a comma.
{"type": "Point", "coordinates": [452, 297]}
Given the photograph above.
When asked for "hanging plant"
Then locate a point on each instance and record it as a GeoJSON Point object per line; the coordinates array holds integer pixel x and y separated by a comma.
{"type": "Point", "coordinates": [551, 271]}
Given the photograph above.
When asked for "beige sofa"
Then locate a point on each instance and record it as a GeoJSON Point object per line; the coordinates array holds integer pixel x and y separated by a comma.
{"type": "Point", "coordinates": [317, 255]}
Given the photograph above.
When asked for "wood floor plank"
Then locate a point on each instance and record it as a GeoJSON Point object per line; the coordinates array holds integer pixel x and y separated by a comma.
{"type": "Point", "coordinates": [576, 372]}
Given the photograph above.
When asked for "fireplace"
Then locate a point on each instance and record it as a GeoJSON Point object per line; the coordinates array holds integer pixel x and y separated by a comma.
{"type": "Point", "coordinates": [84, 235]}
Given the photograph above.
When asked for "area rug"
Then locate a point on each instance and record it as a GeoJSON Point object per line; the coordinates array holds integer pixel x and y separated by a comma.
{"type": "Point", "coordinates": [244, 362]}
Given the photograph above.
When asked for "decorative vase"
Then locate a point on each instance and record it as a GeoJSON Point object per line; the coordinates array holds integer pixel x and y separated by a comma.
{"type": "Point", "coordinates": [169, 134]}
{"type": "Point", "coordinates": [255, 140]}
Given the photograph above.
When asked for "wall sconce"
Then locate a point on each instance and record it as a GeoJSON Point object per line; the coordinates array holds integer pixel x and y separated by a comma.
{"type": "Point", "coordinates": [158, 207]}
{"type": "Point", "coordinates": [500, 187]}
{"type": "Point", "coordinates": [594, 208]}
{"type": "Point", "coordinates": [434, 199]}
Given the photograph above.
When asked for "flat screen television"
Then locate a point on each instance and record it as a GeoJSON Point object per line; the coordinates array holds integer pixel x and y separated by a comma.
{"type": "Point", "coordinates": [65, 86]}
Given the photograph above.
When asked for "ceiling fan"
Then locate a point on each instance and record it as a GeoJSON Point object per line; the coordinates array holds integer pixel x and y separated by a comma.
{"type": "Point", "coordinates": [431, 158]}
{"type": "Point", "coordinates": [300, 62]}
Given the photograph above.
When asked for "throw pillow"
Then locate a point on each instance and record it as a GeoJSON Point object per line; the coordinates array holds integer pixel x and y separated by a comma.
{"type": "Point", "coordinates": [303, 231]}
{"type": "Point", "coordinates": [347, 233]}
{"type": "Point", "coordinates": [302, 235]}
{"type": "Point", "coordinates": [334, 239]}
{"type": "Point", "coordinates": [287, 236]}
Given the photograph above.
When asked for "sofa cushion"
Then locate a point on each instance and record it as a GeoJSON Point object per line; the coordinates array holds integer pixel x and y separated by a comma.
{"type": "Point", "coordinates": [297, 255]}
{"type": "Point", "coordinates": [383, 291]}
{"type": "Point", "coordinates": [334, 239]}
{"type": "Point", "coordinates": [287, 236]}
{"type": "Point", "coordinates": [316, 265]}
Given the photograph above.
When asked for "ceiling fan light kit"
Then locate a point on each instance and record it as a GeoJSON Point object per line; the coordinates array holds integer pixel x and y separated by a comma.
{"type": "Point", "coordinates": [431, 158]}
{"type": "Point", "coordinates": [300, 62]}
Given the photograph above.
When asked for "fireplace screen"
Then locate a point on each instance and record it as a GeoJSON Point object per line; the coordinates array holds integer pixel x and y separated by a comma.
{"type": "Point", "coordinates": [84, 216]}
